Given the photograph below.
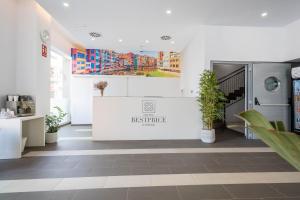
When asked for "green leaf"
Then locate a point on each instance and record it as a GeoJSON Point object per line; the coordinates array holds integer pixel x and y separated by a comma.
{"type": "Point", "coordinates": [286, 144]}
{"type": "Point", "coordinates": [256, 119]}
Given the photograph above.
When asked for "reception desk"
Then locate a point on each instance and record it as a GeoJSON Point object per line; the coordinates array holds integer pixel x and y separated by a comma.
{"type": "Point", "coordinates": [145, 118]}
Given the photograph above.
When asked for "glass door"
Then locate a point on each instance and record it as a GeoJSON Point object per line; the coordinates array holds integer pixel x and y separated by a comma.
{"type": "Point", "coordinates": [60, 83]}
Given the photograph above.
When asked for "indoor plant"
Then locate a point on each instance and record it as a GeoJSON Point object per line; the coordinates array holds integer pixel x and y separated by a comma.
{"type": "Point", "coordinates": [53, 123]}
{"type": "Point", "coordinates": [101, 86]}
{"type": "Point", "coordinates": [211, 102]}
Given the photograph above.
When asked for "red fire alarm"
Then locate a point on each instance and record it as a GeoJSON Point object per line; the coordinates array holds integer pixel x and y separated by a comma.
{"type": "Point", "coordinates": [44, 50]}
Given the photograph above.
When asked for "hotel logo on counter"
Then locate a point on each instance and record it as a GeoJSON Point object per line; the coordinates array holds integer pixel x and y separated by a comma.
{"type": "Point", "coordinates": [148, 117]}
{"type": "Point", "coordinates": [148, 106]}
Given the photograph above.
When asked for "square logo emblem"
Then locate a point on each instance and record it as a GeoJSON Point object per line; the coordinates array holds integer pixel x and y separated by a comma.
{"type": "Point", "coordinates": [148, 106]}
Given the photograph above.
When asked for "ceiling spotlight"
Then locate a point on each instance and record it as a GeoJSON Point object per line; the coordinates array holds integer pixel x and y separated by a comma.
{"type": "Point", "coordinates": [147, 41]}
{"type": "Point", "coordinates": [166, 37]}
{"type": "Point", "coordinates": [120, 40]}
{"type": "Point", "coordinates": [65, 4]}
{"type": "Point", "coordinates": [264, 14]}
{"type": "Point", "coordinates": [172, 42]}
{"type": "Point", "coordinates": [168, 12]}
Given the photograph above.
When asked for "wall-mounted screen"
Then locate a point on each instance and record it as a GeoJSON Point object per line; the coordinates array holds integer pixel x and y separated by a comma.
{"type": "Point", "coordinates": [133, 63]}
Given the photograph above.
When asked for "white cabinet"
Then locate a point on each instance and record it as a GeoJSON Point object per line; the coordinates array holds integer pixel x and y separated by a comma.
{"type": "Point", "coordinates": [12, 132]}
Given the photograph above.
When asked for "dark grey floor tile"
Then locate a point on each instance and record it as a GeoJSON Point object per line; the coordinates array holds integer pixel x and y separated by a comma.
{"type": "Point", "coordinates": [251, 191]}
{"type": "Point", "coordinates": [225, 138]}
{"type": "Point", "coordinates": [203, 192]}
{"type": "Point", "coordinates": [282, 198]}
{"type": "Point", "coordinates": [160, 162]}
{"type": "Point", "coordinates": [101, 194]}
{"type": "Point", "coordinates": [226, 168]}
{"type": "Point", "coordinates": [10, 196]}
{"type": "Point", "coordinates": [53, 195]}
{"type": "Point", "coordinates": [288, 189]}
{"type": "Point", "coordinates": [188, 169]}
{"type": "Point", "coordinates": [150, 170]}
{"type": "Point", "coordinates": [118, 171]}
{"type": "Point", "coordinates": [34, 196]}
{"type": "Point", "coordinates": [200, 160]}
{"type": "Point", "coordinates": [268, 168]}
{"type": "Point", "coordinates": [232, 161]}
{"type": "Point", "coordinates": [131, 163]}
{"type": "Point", "coordinates": [96, 163]}
{"type": "Point", "coordinates": [267, 160]}
{"type": "Point", "coordinates": [153, 193]}
{"type": "Point", "coordinates": [73, 173]}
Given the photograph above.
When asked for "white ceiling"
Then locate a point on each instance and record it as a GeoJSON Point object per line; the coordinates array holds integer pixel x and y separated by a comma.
{"type": "Point", "coordinates": [137, 20]}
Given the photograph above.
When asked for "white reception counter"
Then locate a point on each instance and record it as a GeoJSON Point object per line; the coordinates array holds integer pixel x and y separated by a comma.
{"type": "Point", "coordinates": [145, 118]}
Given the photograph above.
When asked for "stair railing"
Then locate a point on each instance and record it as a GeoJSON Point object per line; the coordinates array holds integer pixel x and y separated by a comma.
{"type": "Point", "coordinates": [233, 87]}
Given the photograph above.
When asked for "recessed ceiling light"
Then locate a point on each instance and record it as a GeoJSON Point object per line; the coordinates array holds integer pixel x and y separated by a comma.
{"type": "Point", "coordinates": [120, 40]}
{"type": "Point", "coordinates": [168, 12]}
{"type": "Point", "coordinates": [65, 4]}
{"type": "Point", "coordinates": [147, 41]}
{"type": "Point", "coordinates": [172, 42]}
{"type": "Point", "coordinates": [264, 14]}
{"type": "Point", "coordinates": [166, 37]}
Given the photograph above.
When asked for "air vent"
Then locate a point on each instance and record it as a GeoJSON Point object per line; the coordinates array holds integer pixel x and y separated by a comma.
{"type": "Point", "coordinates": [166, 37]}
{"type": "Point", "coordinates": [95, 34]}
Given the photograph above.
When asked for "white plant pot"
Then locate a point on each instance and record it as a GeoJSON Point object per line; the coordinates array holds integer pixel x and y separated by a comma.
{"type": "Point", "coordinates": [51, 138]}
{"type": "Point", "coordinates": [208, 136]}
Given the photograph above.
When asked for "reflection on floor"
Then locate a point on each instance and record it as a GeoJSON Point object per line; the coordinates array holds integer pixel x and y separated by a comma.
{"type": "Point", "coordinates": [78, 168]}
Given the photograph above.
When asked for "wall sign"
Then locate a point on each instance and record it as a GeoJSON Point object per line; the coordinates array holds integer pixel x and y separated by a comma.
{"type": "Point", "coordinates": [44, 50]}
{"type": "Point", "coordinates": [148, 116]}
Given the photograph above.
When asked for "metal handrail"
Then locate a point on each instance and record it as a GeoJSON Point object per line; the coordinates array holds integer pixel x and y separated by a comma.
{"type": "Point", "coordinates": [223, 79]}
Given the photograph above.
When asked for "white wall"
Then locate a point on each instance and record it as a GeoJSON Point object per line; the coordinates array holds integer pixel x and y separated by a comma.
{"type": "Point", "coordinates": [8, 47]}
{"type": "Point", "coordinates": [83, 90]}
{"type": "Point", "coordinates": [193, 63]}
{"type": "Point", "coordinates": [221, 43]}
{"type": "Point", "coordinates": [293, 41]}
{"type": "Point", "coordinates": [244, 44]}
{"type": "Point", "coordinates": [32, 69]}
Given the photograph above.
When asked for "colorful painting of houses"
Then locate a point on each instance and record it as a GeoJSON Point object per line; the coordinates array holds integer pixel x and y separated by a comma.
{"type": "Point", "coordinates": [140, 63]}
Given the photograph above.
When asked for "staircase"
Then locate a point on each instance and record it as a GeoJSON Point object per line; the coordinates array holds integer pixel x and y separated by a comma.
{"type": "Point", "coordinates": [233, 86]}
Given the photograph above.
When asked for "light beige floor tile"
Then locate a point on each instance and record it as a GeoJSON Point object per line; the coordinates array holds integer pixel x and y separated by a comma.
{"type": "Point", "coordinates": [147, 151]}
{"type": "Point", "coordinates": [81, 183]}
{"type": "Point", "coordinates": [128, 181]}
{"type": "Point", "coordinates": [172, 179]}
{"type": "Point", "coordinates": [30, 185]}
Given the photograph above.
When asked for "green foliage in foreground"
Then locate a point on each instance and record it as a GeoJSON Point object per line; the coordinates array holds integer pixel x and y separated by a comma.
{"type": "Point", "coordinates": [286, 144]}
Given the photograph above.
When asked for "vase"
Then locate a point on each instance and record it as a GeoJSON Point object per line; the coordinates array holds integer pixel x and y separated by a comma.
{"type": "Point", "coordinates": [102, 91]}
{"type": "Point", "coordinates": [208, 136]}
{"type": "Point", "coordinates": [51, 138]}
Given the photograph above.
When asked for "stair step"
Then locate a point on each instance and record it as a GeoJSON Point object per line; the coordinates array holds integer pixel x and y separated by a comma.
{"type": "Point", "coordinates": [236, 126]}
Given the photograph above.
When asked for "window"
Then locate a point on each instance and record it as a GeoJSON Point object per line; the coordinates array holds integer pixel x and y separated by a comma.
{"type": "Point", "coordinates": [272, 84]}
{"type": "Point", "coordinates": [60, 83]}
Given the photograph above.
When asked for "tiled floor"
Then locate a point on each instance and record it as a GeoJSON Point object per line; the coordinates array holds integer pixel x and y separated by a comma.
{"type": "Point", "coordinates": [79, 169]}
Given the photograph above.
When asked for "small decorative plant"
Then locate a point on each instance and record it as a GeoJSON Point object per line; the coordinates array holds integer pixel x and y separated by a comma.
{"type": "Point", "coordinates": [211, 99]}
{"type": "Point", "coordinates": [101, 86]}
{"type": "Point", "coordinates": [53, 120]}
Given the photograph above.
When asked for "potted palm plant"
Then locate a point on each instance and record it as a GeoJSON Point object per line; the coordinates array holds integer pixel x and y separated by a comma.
{"type": "Point", "coordinates": [211, 101]}
{"type": "Point", "coordinates": [53, 124]}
